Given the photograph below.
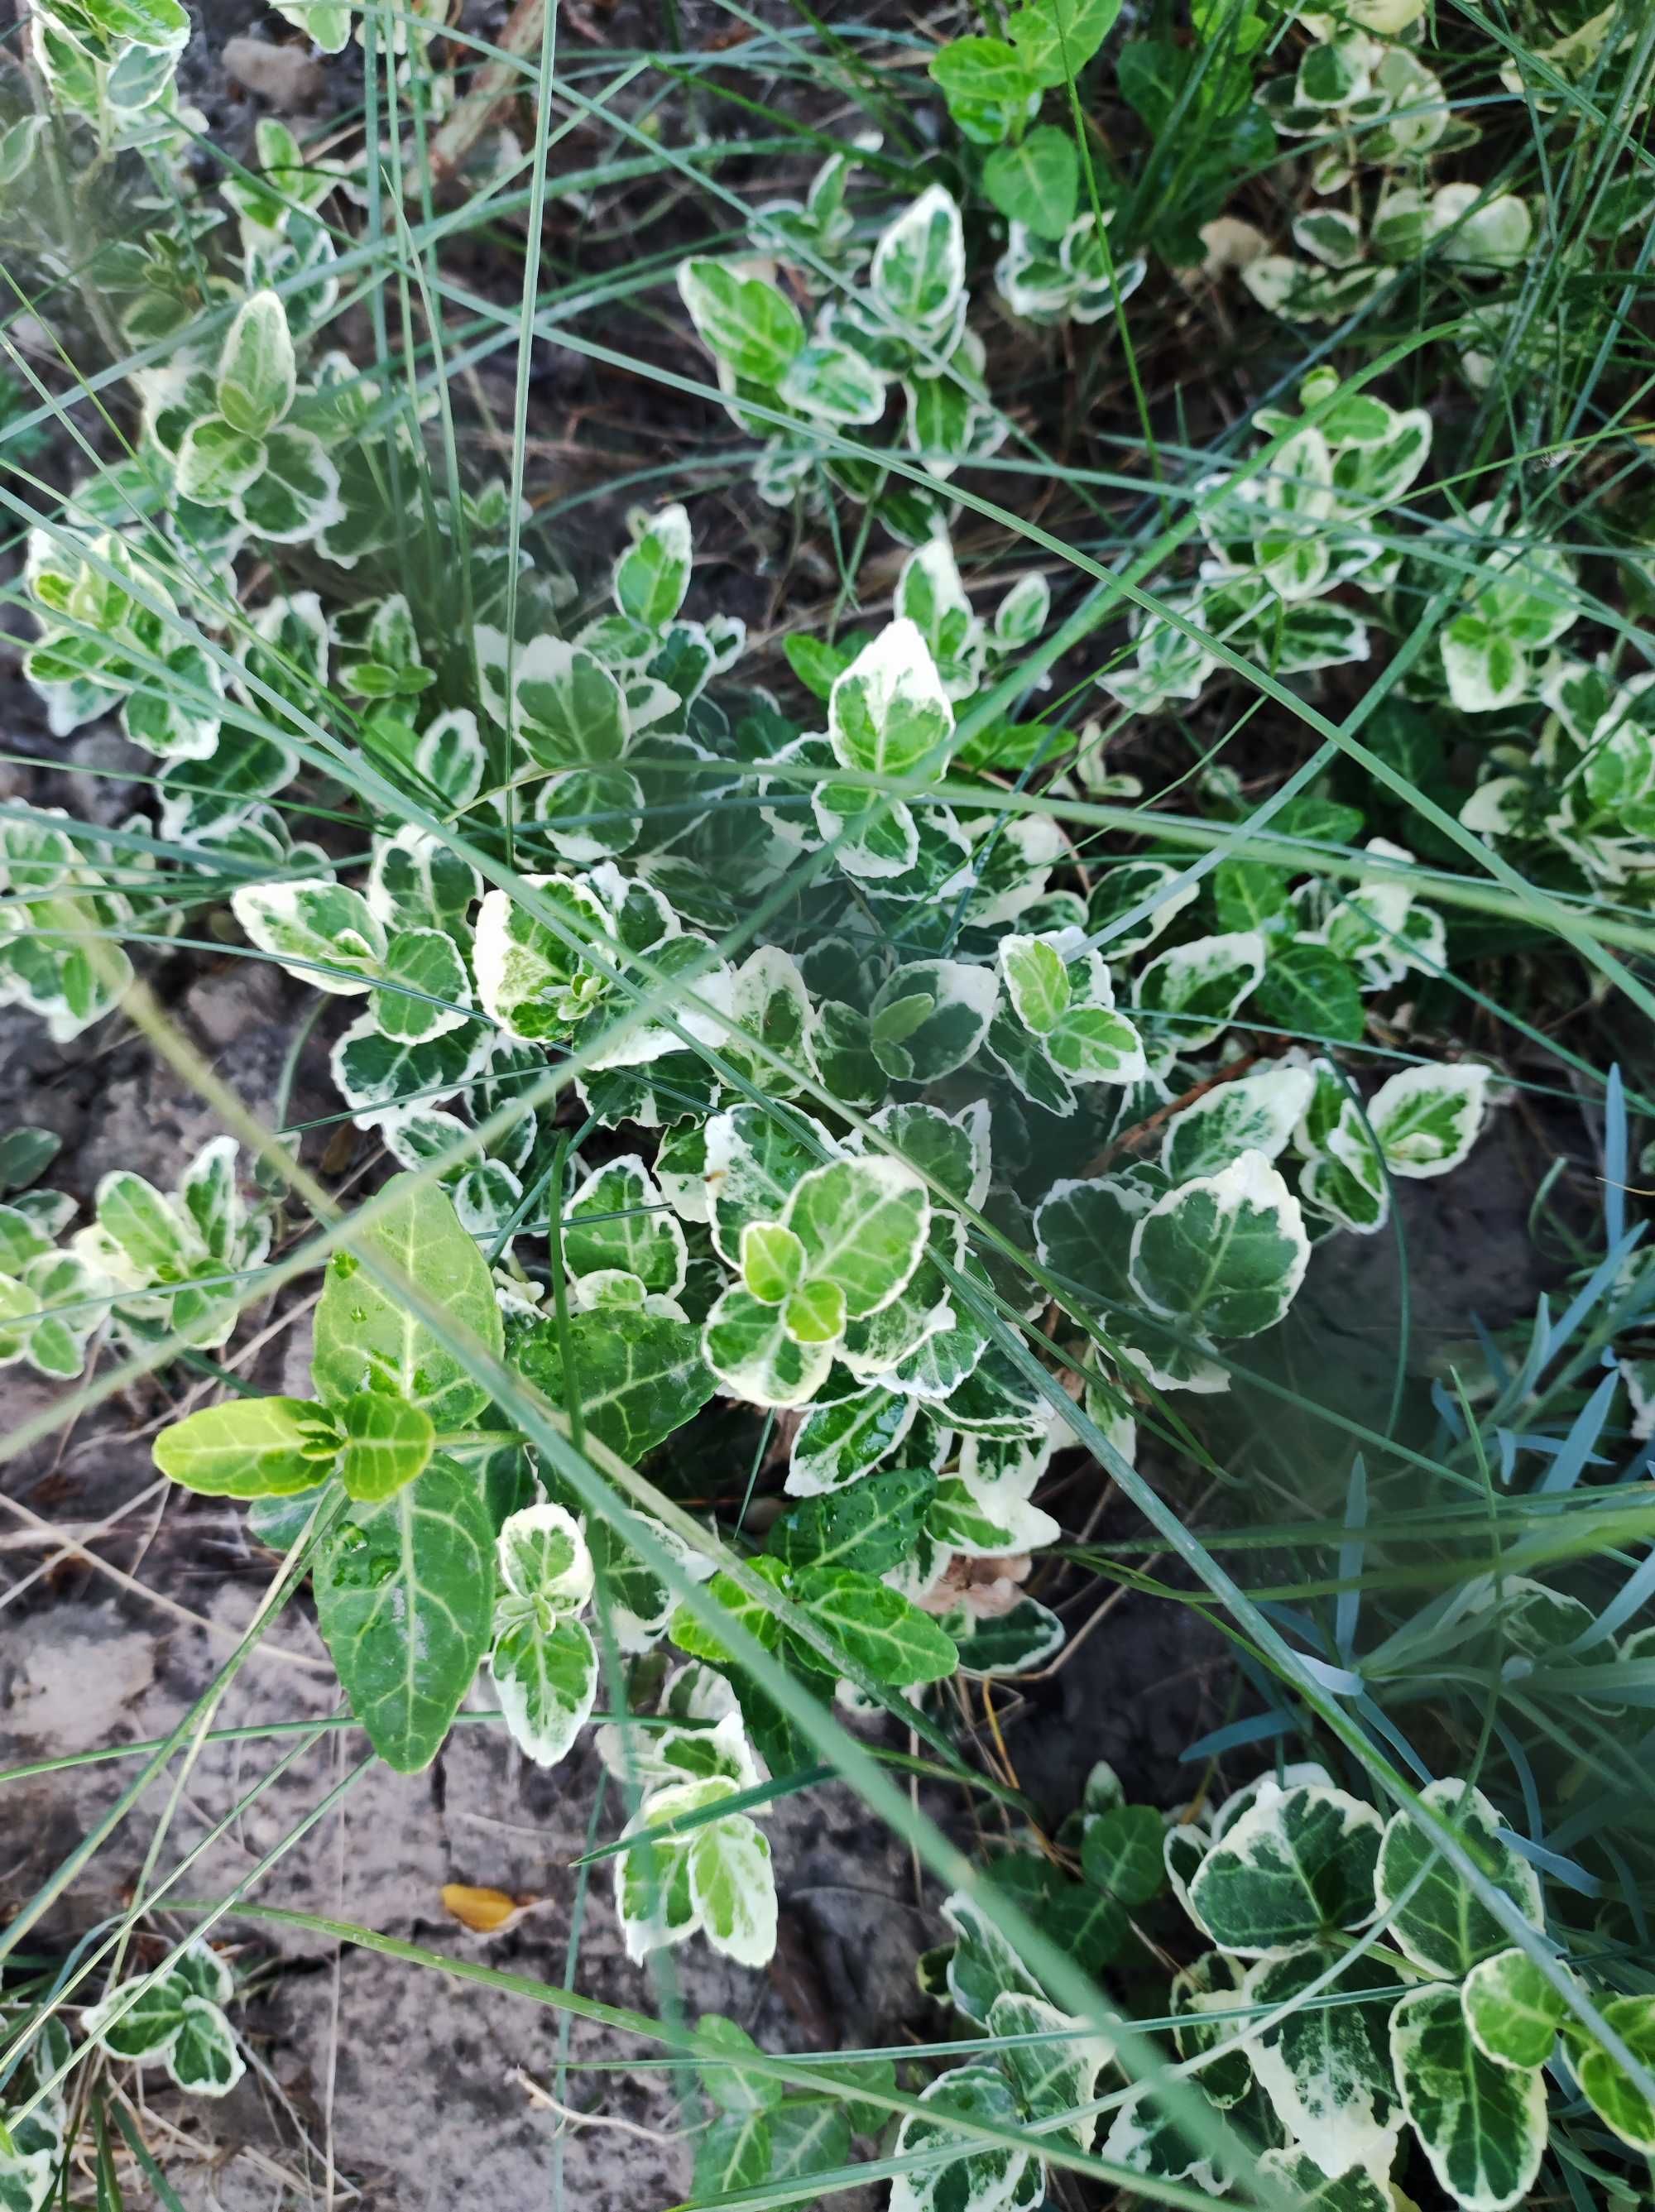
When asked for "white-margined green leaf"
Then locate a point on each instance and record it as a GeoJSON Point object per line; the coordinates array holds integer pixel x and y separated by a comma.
{"type": "Point", "coordinates": [835, 384]}
{"type": "Point", "coordinates": [838, 1443]}
{"type": "Point", "coordinates": [653, 574]}
{"type": "Point", "coordinates": [533, 982]}
{"type": "Point", "coordinates": [753, 1160]}
{"type": "Point", "coordinates": [1311, 2191]}
{"type": "Point", "coordinates": [1056, 2076]}
{"type": "Point", "coordinates": [1434, 1914]}
{"type": "Point", "coordinates": [1254, 1114]}
{"type": "Point", "coordinates": [1326, 2067]}
{"type": "Point", "coordinates": [1426, 1120]}
{"type": "Point", "coordinates": [1608, 2087]}
{"type": "Point", "coordinates": [1193, 990]}
{"type": "Point", "coordinates": [950, 1149]}
{"type": "Point", "coordinates": [257, 372]}
{"type": "Point", "coordinates": [205, 2059]}
{"type": "Point", "coordinates": [545, 1667]}
{"type": "Point", "coordinates": [746, 323]}
{"type": "Point", "coordinates": [321, 932]}
{"type": "Point", "coordinates": [863, 1223]}
{"type": "Point", "coordinates": [1036, 981]}
{"type": "Point", "coordinates": [296, 495]}
{"type": "Point", "coordinates": [619, 1218]}
{"type": "Point", "coordinates": [888, 712]}
{"type": "Point", "coordinates": [570, 710]}
{"type": "Point", "coordinates": [424, 989]}
{"type": "Point", "coordinates": [1296, 1866]}
{"type": "Point", "coordinates": [748, 1346]}
{"type": "Point", "coordinates": [1481, 2126]}
{"type": "Point", "coordinates": [217, 462]}
{"type": "Point", "coordinates": [1511, 2009]}
{"type": "Point", "coordinates": [918, 276]}
{"type": "Point", "coordinates": [375, 1073]}
{"type": "Point", "coordinates": [984, 2177]}
{"type": "Point", "coordinates": [773, 1262]}
{"type": "Point", "coordinates": [1224, 1254]}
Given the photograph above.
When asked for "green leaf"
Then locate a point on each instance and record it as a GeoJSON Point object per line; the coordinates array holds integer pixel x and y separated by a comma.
{"type": "Point", "coordinates": [1224, 1254]}
{"type": "Point", "coordinates": [812, 2135]}
{"type": "Point", "coordinates": [257, 374]}
{"type": "Point", "coordinates": [1604, 2082]}
{"type": "Point", "coordinates": [733, 2153]}
{"type": "Point", "coordinates": [368, 1340]}
{"type": "Point", "coordinates": [1037, 182]}
{"type": "Point", "coordinates": [815, 1313]}
{"type": "Point", "coordinates": [734, 2088]}
{"type": "Point", "coordinates": [988, 88]}
{"type": "Point", "coordinates": [929, 1017]}
{"type": "Point", "coordinates": [640, 1375]}
{"type": "Point", "coordinates": [250, 1448]}
{"type": "Point", "coordinates": [773, 1262]}
{"type": "Point", "coordinates": [405, 1598]}
{"type": "Point", "coordinates": [1482, 2126]}
{"type": "Point", "coordinates": [1057, 38]}
{"type": "Point", "coordinates": [745, 322]}
{"type": "Point", "coordinates": [1326, 2067]}
{"type": "Point", "coordinates": [1436, 1916]}
{"type": "Point", "coordinates": [1122, 1853]}
{"type": "Point", "coordinates": [1308, 991]}
{"type": "Point", "coordinates": [875, 1626]}
{"type": "Point", "coordinates": [862, 1224]}
{"type": "Point", "coordinates": [389, 1443]}
{"type": "Point", "coordinates": [871, 1528]}
{"type": "Point", "coordinates": [1512, 2010]}
{"type": "Point", "coordinates": [1296, 1865]}
{"type": "Point", "coordinates": [25, 1154]}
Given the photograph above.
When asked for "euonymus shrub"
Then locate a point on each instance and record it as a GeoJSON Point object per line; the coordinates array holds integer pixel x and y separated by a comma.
{"type": "Point", "coordinates": [1356, 2000]}
{"type": "Point", "coordinates": [945, 1081]}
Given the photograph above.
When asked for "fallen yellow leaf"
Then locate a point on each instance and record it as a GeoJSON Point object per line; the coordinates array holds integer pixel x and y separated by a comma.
{"type": "Point", "coordinates": [484, 1911]}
